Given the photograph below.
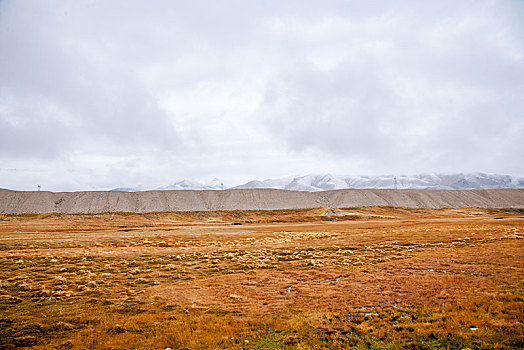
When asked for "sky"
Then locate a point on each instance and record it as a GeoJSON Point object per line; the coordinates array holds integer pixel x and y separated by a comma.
{"type": "Point", "coordinates": [105, 94]}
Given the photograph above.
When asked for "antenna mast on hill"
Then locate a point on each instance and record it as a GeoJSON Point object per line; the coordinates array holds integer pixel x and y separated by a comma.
{"type": "Point", "coordinates": [222, 186]}
{"type": "Point", "coordinates": [395, 178]}
{"type": "Point", "coordinates": [38, 187]}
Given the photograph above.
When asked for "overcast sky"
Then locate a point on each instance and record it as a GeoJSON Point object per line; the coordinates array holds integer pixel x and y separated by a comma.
{"type": "Point", "coordinates": [102, 94]}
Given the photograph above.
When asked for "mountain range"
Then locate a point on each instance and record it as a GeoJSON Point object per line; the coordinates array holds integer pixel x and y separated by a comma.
{"type": "Point", "coordinates": [326, 182]}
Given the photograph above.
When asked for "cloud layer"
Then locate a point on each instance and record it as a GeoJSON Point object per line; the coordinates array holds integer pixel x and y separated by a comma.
{"type": "Point", "coordinates": [99, 95]}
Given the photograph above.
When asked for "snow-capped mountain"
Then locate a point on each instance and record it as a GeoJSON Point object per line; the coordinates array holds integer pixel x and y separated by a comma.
{"type": "Point", "coordinates": [325, 182]}
{"type": "Point", "coordinates": [422, 181]}
{"type": "Point", "coordinates": [215, 184]}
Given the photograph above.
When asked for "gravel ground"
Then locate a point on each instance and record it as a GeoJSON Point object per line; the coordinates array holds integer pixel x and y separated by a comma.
{"type": "Point", "coordinates": [15, 202]}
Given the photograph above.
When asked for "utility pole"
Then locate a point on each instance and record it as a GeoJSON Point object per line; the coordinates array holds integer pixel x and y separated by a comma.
{"type": "Point", "coordinates": [38, 187]}
{"type": "Point", "coordinates": [395, 178]}
{"type": "Point", "coordinates": [222, 186]}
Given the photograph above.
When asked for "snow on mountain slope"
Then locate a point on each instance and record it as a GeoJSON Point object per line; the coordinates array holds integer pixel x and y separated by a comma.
{"type": "Point", "coordinates": [215, 184]}
{"type": "Point", "coordinates": [326, 182]}
{"type": "Point", "coordinates": [421, 181]}
{"type": "Point", "coordinates": [269, 183]}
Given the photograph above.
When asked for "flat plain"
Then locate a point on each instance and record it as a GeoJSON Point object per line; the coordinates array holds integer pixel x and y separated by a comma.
{"type": "Point", "coordinates": [364, 278]}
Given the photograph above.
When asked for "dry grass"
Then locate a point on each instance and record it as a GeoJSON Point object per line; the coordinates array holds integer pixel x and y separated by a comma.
{"type": "Point", "coordinates": [364, 278]}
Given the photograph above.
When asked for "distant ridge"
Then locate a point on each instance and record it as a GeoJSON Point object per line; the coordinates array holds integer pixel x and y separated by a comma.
{"type": "Point", "coordinates": [327, 182]}
{"type": "Point", "coordinates": [13, 202]}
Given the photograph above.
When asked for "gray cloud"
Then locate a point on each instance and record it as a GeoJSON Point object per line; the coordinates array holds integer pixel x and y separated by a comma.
{"type": "Point", "coordinates": [409, 90]}
{"type": "Point", "coordinates": [66, 88]}
{"type": "Point", "coordinates": [98, 94]}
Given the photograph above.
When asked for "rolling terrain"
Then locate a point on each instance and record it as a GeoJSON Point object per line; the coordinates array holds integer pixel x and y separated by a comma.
{"type": "Point", "coordinates": [249, 199]}
{"type": "Point", "coordinates": [328, 182]}
{"type": "Point", "coordinates": [324, 278]}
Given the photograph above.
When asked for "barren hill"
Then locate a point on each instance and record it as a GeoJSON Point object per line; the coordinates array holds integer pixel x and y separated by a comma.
{"type": "Point", "coordinates": [249, 199]}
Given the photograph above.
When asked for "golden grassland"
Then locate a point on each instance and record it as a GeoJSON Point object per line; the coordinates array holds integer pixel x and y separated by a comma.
{"type": "Point", "coordinates": [363, 278]}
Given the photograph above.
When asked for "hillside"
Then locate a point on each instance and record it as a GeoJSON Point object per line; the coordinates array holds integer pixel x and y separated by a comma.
{"type": "Point", "coordinates": [249, 199]}
{"type": "Point", "coordinates": [326, 182]}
